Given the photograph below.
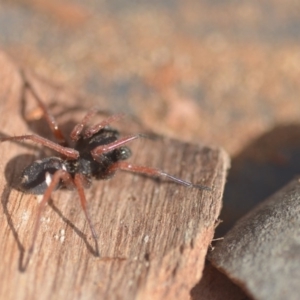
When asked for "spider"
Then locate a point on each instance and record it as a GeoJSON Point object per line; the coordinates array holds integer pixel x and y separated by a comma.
{"type": "Point", "coordinates": [97, 152]}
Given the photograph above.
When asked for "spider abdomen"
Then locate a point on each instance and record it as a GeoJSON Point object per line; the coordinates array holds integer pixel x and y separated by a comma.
{"type": "Point", "coordinates": [36, 177]}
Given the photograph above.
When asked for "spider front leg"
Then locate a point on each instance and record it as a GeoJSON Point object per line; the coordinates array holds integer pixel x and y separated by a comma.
{"type": "Point", "coordinates": [114, 145]}
{"type": "Point", "coordinates": [54, 181]}
{"type": "Point", "coordinates": [80, 182]}
{"type": "Point", "coordinates": [96, 128]}
{"type": "Point", "coordinates": [77, 130]}
{"type": "Point", "coordinates": [47, 115]}
{"type": "Point", "coordinates": [68, 152]}
{"type": "Point", "coordinates": [152, 172]}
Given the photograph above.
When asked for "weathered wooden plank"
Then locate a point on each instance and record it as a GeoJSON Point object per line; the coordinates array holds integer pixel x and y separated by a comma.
{"type": "Point", "coordinates": [153, 235]}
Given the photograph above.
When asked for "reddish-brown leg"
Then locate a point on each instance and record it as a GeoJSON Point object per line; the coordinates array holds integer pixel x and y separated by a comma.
{"type": "Point", "coordinates": [96, 128]}
{"type": "Point", "coordinates": [68, 152]}
{"type": "Point", "coordinates": [48, 116]}
{"type": "Point", "coordinates": [79, 183]}
{"type": "Point", "coordinates": [114, 145]}
{"type": "Point", "coordinates": [57, 176]}
{"type": "Point", "coordinates": [125, 166]}
{"type": "Point", "coordinates": [75, 133]}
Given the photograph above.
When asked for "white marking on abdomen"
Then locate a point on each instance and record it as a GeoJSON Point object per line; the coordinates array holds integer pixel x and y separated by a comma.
{"type": "Point", "coordinates": [48, 178]}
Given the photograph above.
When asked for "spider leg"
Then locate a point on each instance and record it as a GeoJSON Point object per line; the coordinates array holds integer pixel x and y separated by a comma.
{"type": "Point", "coordinates": [57, 176]}
{"type": "Point", "coordinates": [47, 115]}
{"type": "Point", "coordinates": [96, 128]}
{"type": "Point", "coordinates": [68, 152]}
{"type": "Point", "coordinates": [79, 183]}
{"type": "Point", "coordinates": [152, 172]}
{"type": "Point", "coordinates": [77, 130]}
{"type": "Point", "coordinates": [114, 145]}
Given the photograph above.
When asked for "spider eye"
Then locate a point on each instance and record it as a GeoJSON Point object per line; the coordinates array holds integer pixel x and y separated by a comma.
{"type": "Point", "coordinates": [123, 153]}
{"type": "Point", "coordinates": [34, 179]}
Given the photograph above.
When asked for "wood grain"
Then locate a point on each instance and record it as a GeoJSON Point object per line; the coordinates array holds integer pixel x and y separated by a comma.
{"type": "Point", "coordinates": [153, 234]}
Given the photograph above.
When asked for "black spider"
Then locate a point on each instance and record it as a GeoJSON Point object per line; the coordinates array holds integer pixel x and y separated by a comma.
{"type": "Point", "coordinates": [98, 153]}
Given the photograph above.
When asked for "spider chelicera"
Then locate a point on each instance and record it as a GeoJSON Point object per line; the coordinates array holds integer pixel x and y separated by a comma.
{"type": "Point", "coordinates": [97, 152]}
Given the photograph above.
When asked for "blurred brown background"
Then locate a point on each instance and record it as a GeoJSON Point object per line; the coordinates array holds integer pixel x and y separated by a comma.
{"type": "Point", "coordinates": [219, 72]}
